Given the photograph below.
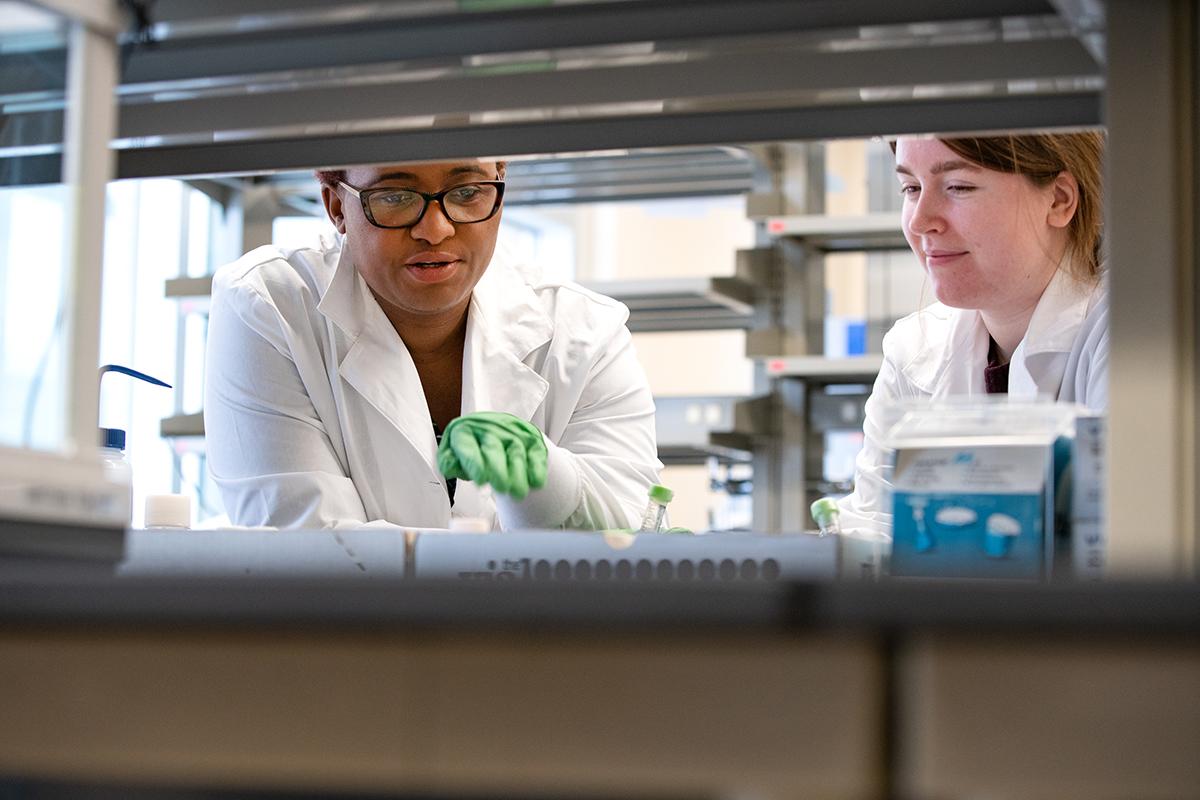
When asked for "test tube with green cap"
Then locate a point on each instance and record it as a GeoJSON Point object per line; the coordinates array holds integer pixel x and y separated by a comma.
{"type": "Point", "coordinates": [656, 509]}
{"type": "Point", "coordinates": [825, 514]}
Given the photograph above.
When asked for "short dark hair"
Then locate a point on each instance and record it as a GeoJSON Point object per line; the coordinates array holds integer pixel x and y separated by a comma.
{"type": "Point", "coordinates": [329, 178]}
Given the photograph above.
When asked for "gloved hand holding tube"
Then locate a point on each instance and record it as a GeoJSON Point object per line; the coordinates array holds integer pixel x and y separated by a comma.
{"type": "Point", "coordinates": [494, 448]}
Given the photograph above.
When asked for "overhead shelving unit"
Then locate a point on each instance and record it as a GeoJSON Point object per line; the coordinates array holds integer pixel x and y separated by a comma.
{"type": "Point", "coordinates": [811, 394]}
{"type": "Point", "coordinates": [215, 88]}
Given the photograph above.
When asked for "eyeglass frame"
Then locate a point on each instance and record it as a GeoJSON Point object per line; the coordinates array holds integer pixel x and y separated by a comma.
{"type": "Point", "coordinates": [364, 195]}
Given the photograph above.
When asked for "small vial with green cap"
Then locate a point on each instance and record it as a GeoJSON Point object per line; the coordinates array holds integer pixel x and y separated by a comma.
{"type": "Point", "coordinates": [656, 509]}
{"type": "Point", "coordinates": [825, 514]}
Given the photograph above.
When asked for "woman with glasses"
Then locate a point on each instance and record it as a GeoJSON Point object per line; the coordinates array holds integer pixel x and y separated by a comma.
{"type": "Point", "coordinates": [412, 373]}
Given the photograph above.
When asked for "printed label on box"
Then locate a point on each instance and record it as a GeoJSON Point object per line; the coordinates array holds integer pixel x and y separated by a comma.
{"type": "Point", "coordinates": [970, 511]}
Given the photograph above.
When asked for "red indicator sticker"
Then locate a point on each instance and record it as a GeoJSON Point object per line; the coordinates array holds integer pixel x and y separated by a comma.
{"type": "Point", "coordinates": [775, 226]}
{"type": "Point", "coordinates": [775, 366]}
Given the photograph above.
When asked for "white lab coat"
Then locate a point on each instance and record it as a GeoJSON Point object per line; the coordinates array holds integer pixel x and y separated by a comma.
{"type": "Point", "coordinates": [941, 352]}
{"type": "Point", "coordinates": [315, 416]}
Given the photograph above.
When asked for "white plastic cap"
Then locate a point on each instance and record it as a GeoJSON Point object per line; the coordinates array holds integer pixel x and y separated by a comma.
{"type": "Point", "coordinates": [168, 511]}
{"type": "Point", "coordinates": [470, 525]}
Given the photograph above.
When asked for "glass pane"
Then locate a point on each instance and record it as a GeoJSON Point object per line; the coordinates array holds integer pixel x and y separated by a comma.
{"type": "Point", "coordinates": [32, 230]}
{"type": "Point", "coordinates": [154, 230]}
{"type": "Point", "coordinates": [33, 64]}
{"type": "Point", "coordinates": [32, 358]}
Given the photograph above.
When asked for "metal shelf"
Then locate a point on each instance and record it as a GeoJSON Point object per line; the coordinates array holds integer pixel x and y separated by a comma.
{"type": "Point", "coordinates": [686, 428]}
{"type": "Point", "coordinates": [679, 304]}
{"type": "Point", "coordinates": [182, 425]}
{"type": "Point", "coordinates": [824, 370]}
{"type": "Point", "coordinates": [622, 175]}
{"type": "Point", "coordinates": [666, 304]}
{"type": "Point", "coordinates": [692, 429]}
{"type": "Point", "coordinates": [881, 231]}
{"type": "Point", "coordinates": [240, 90]}
{"type": "Point", "coordinates": [189, 287]}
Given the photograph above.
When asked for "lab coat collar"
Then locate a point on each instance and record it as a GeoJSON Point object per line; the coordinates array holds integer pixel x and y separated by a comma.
{"type": "Point", "coordinates": [1040, 360]}
{"type": "Point", "coordinates": [503, 302]}
{"type": "Point", "coordinates": [345, 300]}
{"type": "Point", "coordinates": [950, 340]}
{"type": "Point", "coordinates": [373, 359]}
{"type": "Point", "coordinates": [506, 323]}
{"type": "Point", "coordinates": [956, 343]}
{"type": "Point", "coordinates": [1058, 315]}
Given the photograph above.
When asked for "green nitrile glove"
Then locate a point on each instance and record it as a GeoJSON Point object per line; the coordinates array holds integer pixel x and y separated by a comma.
{"type": "Point", "coordinates": [492, 447]}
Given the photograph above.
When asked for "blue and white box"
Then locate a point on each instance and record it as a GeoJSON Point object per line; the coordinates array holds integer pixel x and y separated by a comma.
{"type": "Point", "coordinates": [974, 490]}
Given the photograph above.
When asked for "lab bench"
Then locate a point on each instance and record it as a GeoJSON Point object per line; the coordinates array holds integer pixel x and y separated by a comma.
{"type": "Point", "coordinates": [174, 686]}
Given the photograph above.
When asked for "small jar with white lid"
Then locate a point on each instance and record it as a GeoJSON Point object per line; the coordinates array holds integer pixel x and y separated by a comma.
{"type": "Point", "coordinates": [168, 512]}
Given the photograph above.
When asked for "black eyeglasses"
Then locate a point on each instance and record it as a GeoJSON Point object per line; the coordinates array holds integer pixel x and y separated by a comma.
{"type": "Point", "coordinates": [403, 208]}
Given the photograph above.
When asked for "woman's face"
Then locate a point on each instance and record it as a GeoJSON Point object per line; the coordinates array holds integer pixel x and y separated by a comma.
{"type": "Point", "coordinates": [988, 240]}
{"type": "Point", "coordinates": [429, 270]}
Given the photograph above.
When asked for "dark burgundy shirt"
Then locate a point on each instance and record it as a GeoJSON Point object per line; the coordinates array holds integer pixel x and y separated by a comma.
{"type": "Point", "coordinates": [995, 374]}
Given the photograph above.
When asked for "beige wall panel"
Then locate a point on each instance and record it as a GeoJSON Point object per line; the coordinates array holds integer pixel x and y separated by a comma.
{"type": "Point", "coordinates": [759, 716]}
{"type": "Point", "coordinates": [846, 189]}
{"type": "Point", "coordinates": [1034, 718]}
{"type": "Point", "coordinates": [693, 495]}
{"type": "Point", "coordinates": [229, 709]}
{"type": "Point", "coordinates": [696, 362]}
{"type": "Point", "coordinates": [654, 240]}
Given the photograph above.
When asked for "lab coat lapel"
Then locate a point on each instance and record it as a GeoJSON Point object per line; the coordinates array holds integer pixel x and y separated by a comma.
{"type": "Point", "coordinates": [1040, 360]}
{"type": "Point", "coordinates": [375, 361]}
{"type": "Point", "coordinates": [949, 365]}
{"type": "Point", "coordinates": [505, 325]}
{"type": "Point", "coordinates": [954, 365]}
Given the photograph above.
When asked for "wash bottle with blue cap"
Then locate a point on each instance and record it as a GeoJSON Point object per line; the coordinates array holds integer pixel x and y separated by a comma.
{"type": "Point", "coordinates": [112, 440]}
